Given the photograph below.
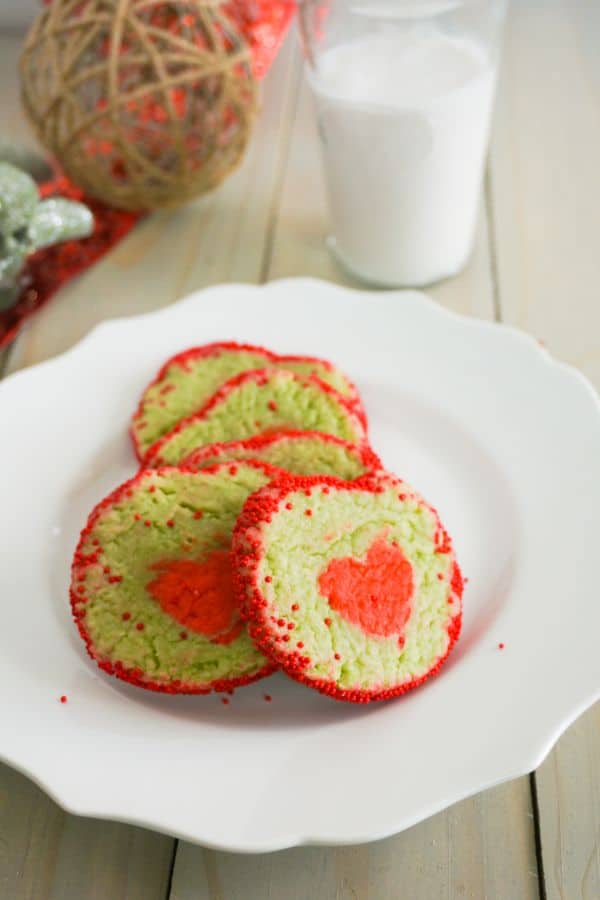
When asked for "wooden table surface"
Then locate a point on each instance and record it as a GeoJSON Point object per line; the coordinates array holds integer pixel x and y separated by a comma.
{"type": "Point", "coordinates": [537, 266]}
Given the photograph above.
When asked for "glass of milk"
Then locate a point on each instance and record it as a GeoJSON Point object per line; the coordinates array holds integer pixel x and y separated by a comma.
{"type": "Point", "coordinates": [404, 94]}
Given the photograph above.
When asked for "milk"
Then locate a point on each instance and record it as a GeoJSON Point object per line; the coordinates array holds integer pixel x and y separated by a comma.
{"type": "Point", "coordinates": [404, 122]}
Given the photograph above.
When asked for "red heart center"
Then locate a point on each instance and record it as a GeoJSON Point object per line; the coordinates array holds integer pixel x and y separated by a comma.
{"type": "Point", "coordinates": [374, 593]}
{"type": "Point", "coordinates": [199, 595]}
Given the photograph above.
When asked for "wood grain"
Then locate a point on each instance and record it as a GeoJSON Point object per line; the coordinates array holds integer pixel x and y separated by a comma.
{"type": "Point", "coordinates": [546, 203]}
{"type": "Point", "coordinates": [46, 854]}
{"type": "Point", "coordinates": [481, 848]}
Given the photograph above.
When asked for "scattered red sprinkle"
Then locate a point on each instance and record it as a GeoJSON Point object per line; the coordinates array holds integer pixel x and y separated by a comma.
{"type": "Point", "coordinates": [401, 497]}
{"type": "Point", "coordinates": [233, 470]}
{"type": "Point", "coordinates": [81, 589]}
{"type": "Point", "coordinates": [268, 698]}
{"type": "Point", "coordinates": [126, 616]}
{"type": "Point", "coordinates": [501, 646]}
{"type": "Point", "coordinates": [281, 622]}
{"type": "Point", "coordinates": [336, 656]}
{"type": "Point", "coordinates": [272, 405]}
{"type": "Point", "coordinates": [183, 635]}
{"type": "Point", "coordinates": [268, 579]}
{"type": "Point", "coordinates": [148, 523]}
{"type": "Point", "coordinates": [327, 621]}
{"type": "Point", "coordinates": [115, 579]}
{"type": "Point", "coordinates": [325, 490]}
{"type": "Point", "coordinates": [308, 512]}
{"type": "Point", "coordinates": [224, 700]}
{"type": "Point", "coordinates": [257, 424]}
{"type": "Point", "coordinates": [106, 570]}
{"type": "Point", "coordinates": [443, 542]}
{"type": "Point", "coordinates": [440, 576]}
{"type": "Point", "coordinates": [152, 488]}
{"type": "Point", "coordinates": [295, 606]}
{"type": "Point", "coordinates": [137, 517]}
{"type": "Point", "coordinates": [307, 492]}
{"type": "Point", "coordinates": [285, 637]}
{"type": "Point", "coordinates": [140, 626]}
{"type": "Point", "coordinates": [63, 699]}
{"type": "Point", "coordinates": [290, 626]}
{"type": "Point", "coordinates": [198, 514]}
{"type": "Point", "coordinates": [401, 641]}
{"type": "Point", "coordinates": [288, 506]}
{"type": "Point", "coordinates": [300, 645]}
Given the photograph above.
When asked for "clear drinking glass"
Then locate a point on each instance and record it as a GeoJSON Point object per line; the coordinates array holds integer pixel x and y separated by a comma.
{"type": "Point", "coordinates": [404, 94]}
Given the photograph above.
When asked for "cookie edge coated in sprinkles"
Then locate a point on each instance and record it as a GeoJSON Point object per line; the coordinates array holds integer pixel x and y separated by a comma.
{"type": "Point", "coordinates": [81, 562]}
{"type": "Point", "coordinates": [152, 458]}
{"type": "Point", "coordinates": [216, 347]}
{"type": "Point", "coordinates": [247, 551]}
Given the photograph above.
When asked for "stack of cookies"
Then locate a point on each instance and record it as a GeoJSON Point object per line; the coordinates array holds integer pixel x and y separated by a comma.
{"type": "Point", "coordinates": [262, 533]}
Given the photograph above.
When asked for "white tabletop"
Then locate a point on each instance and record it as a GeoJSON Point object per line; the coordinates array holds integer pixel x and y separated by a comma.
{"type": "Point", "coordinates": [536, 265]}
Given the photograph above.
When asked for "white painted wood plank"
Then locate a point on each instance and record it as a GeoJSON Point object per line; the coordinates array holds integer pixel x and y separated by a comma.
{"type": "Point", "coordinates": [46, 854]}
{"type": "Point", "coordinates": [482, 847]}
{"type": "Point", "coordinates": [546, 201]}
{"type": "Point", "coordinates": [568, 789]}
{"type": "Point", "coordinates": [13, 126]}
{"type": "Point", "coordinates": [545, 185]}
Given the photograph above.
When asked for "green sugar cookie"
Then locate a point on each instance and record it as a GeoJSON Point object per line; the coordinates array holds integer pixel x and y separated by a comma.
{"type": "Point", "coordinates": [188, 380]}
{"type": "Point", "coordinates": [151, 589]}
{"type": "Point", "coordinates": [351, 587]}
{"type": "Point", "coordinates": [263, 400]}
{"type": "Point", "coordinates": [300, 452]}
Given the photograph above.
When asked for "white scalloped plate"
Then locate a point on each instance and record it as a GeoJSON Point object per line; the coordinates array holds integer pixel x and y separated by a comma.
{"type": "Point", "coordinates": [504, 440]}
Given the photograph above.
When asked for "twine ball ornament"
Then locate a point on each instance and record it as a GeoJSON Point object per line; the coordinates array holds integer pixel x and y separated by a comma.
{"type": "Point", "coordinates": [144, 103]}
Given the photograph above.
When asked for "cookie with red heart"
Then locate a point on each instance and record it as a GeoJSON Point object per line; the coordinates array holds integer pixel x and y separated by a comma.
{"type": "Point", "coordinates": [151, 589]}
{"type": "Point", "coordinates": [350, 587]}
